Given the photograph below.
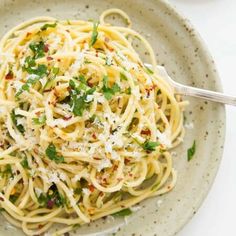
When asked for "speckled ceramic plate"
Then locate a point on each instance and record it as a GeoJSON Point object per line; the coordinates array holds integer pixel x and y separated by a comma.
{"type": "Point", "coordinates": [179, 48]}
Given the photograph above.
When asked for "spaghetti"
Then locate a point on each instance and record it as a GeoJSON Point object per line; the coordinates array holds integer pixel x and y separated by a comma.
{"type": "Point", "coordinates": [85, 127]}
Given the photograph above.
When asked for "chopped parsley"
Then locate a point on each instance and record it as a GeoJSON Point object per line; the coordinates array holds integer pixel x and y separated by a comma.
{"type": "Point", "coordinates": [123, 77]}
{"type": "Point", "coordinates": [40, 120]}
{"type": "Point", "coordinates": [128, 91]}
{"type": "Point", "coordinates": [191, 151]}
{"type": "Point", "coordinates": [125, 212]}
{"type": "Point", "coordinates": [30, 67]}
{"type": "Point", "coordinates": [149, 70]}
{"type": "Point", "coordinates": [14, 120]}
{"type": "Point", "coordinates": [46, 26]}
{"type": "Point", "coordinates": [25, 163]}
{"type": "Point", "coordinates": [94, 34]}
{"type": "Point", "coordinates": [36, 72]}
{"type": "Point", "coordinates": [79, 95]}
{"type": "Point", "coordinates": [109, 91]}
{"type": "Point", "coordinates": [38, 49]}
{"type": "Point", "coordinates": [78, 191]}
{"type": "Point", "coordinates": [7, 171]}
{"type": "Point", "coordinates": [51, 198]}
{"type": "Point", "coordinates": [150, 146]}
{"type": "Point", "coordinates": [50, 82]}
{"type": "Point", "coordinates": [31, 81]}
{"type": "Point", "coordinates": [52, 154]}
{"type": "Point", "coordinates": [13, 198]}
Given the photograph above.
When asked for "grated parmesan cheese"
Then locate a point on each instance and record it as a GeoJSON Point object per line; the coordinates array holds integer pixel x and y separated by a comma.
{"type": "Point", "coordinates": [104, 163]}
{"type": "Point", "coordinates": [38, 191]}
{"type": "Point", "coordinates": [164, 138]}
{"type": "Point", "coordinates": [86, 191]}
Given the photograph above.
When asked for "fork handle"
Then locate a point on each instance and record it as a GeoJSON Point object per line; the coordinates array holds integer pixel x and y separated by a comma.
{"type": "Point", "coordinates": [205, 94]}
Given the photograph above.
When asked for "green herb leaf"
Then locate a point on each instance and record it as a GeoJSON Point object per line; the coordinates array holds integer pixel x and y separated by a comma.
{"type": "Point", "coordinates": [150, 146]}
{"type": "Point", "coordinates": [50, 82]}
{"type": "Point", "coordinates": [109, 92]}
{"type": "Point", "coordinates": [46, 26]}
{"type": "Point", "coordinates": [25, 163]}
{"type": "Point", "coordinates": [128, 91]}
{"type": "Point", "coordinates": [53, 197]}
{"type": "Point", "coordinates": [76, 226]}
{"type": "Point", "coordinates": [123, 77]}
{"type": "Point", "coordinates": [7, 171]}
{"type": "Point", "coordinates": [94, 34]}
{"type": "Point", "coordinates": [79, 96]}
{"type": "Point", "coordinates": [82, 79]}
{"type": "Point", "coordinates": [149, 70]}
{"type": "Point", "coordinates": [38, 49]}
{"type": "Point", "coordinates": [191, 151]}
{"type": "Point", "coordinates": [13, 198]}
{"type": "Point", "coordinates": [52, 154]}
{"type": "Point", "coordinates": [27, 85]}
{"type": "Point", "coordinates": [124, 212]}
{"type": "Point", "coordinates": [78, 191]}
{"type": "Point", "coordinates": [14, 120]}
{"type": "Point", "coordinates": [40, 120]}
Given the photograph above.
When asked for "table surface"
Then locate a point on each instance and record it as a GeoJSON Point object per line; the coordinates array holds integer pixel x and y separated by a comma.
{"type": "Point", "coordinates": [215, 20]}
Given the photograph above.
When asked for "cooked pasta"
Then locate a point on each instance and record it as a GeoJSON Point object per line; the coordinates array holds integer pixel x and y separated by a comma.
{"type": "Point", "coordinates": [85, 126]}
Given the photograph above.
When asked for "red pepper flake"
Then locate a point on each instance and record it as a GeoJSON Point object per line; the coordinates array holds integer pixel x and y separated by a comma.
{"type": "Point", "coordinates": [47, 90]}
{"type": "Point", "coordinates": [38, 113]}
{"type": "Point", "coordinates": [146, 132]}
{"type": "Point", "coordinates": [91, 188]}
{"type": "Point", "coordinates": [94, 136]}
{"type": "Point", "coordinates": [115, 167]}
{"type": "Point", "coordinates": [101, 194]}
{"type": "Point", "coordinates": [46, 48]}
{"type": "Point", "coordinates": [130, 175]}
{"type": "Point", "coordinates": [28, 34]}
{"type": "Point", "coordinates": [58, 59]}
{"type": "Point", "coordinates": [162, 146]}
{"type": "Point", "coordinates": [1, 199]}
{"type": "Point", "coordinates": [96, 158]}
{"type": "Point", "coordinates": [127, 161]}
{"type": "Point", "coordinates": [9, 76]}
{"type": "Point", "coordinates": [148, 92]}
{"type": "Point", "coordinates": [119, 179]}
{"type": "Point", "coordinates": [36, 151]}
{"type": "Point", "coordinates": [89, 83]}
{"type": "Point", "coordinates": [67, 117]}
{"type": "Point", "coordinates": [96, 54]}
{"type": "Point", "coordinates": [50, 204]}
{"type": "Point", "coordinates": [49, 58]}
{"type": "Point", "coordinates": [40, 226]}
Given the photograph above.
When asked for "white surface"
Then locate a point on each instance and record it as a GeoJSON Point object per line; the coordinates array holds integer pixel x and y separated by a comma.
{"type": "Point", "coordinates": [215, 20]}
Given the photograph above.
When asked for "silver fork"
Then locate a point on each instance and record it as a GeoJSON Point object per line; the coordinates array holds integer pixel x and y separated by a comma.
{"type": "Point", "coordinates": [195, 92]}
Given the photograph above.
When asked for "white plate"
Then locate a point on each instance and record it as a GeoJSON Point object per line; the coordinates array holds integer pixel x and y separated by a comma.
{"type": "Point", "coordinates": [179, 48]}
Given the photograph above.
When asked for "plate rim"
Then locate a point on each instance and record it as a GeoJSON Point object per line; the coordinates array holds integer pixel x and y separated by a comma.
{"type": "Point", "coordinates": [218, 84]}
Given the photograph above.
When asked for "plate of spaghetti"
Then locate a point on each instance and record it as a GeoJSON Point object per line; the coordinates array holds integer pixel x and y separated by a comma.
{"type": "Point", "coordinates": [93, 140]}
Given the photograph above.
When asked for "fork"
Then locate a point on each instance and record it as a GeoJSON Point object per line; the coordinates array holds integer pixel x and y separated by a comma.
{"type": "Point", "coordinates": [195, 92]}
